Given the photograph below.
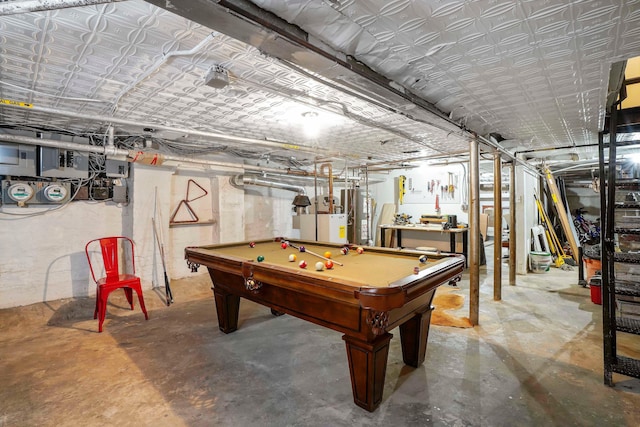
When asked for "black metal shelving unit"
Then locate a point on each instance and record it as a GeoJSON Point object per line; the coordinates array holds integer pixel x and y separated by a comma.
{"type": "Point", "coordinates": [618, 196]}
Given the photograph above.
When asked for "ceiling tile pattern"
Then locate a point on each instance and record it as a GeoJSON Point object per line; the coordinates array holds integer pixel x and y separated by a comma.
{"type": "Point", "coordinates": [534, 71]}
{"type": "Point", "coordinates": [115, 59]}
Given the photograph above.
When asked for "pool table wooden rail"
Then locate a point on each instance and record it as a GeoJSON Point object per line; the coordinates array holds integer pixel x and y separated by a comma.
{"type": "Point", "coordinates": [364, 314]}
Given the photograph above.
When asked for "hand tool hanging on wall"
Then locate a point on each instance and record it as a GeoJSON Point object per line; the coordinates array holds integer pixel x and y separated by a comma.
{"type": "Point", "coordinates": [401, 190]}
{"type": "Point", "coordinates": [157, 230]}
{"type": "Point", "coordinates": [450, 190]}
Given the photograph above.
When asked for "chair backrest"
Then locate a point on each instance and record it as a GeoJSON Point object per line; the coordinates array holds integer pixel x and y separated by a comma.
{"type": "Point", "coordinates": [110, 249]}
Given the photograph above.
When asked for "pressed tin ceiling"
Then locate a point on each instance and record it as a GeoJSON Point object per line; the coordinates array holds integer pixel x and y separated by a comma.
{"type": "Point", "coordinates": [534, 72]}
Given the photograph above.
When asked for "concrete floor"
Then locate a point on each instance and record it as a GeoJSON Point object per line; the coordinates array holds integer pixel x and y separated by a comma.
{"type": "Point", "coordinates": [535, 360]}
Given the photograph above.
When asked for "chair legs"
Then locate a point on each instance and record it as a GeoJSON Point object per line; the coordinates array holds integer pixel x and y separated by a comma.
{"type": "Point", "coordinates": [102, 296]}
{"type": "Point", "coordinates": [129, 294]}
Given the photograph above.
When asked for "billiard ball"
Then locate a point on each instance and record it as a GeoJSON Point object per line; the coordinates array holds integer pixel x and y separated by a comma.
{"type": "Point", "coordinates": [329, 264]}
{"type": "Point", "coordinates": [344, 250]}
{"type": "Point", "coordinates": [301, 249]}
{"type": "Point", "coordinates": [292, 258]}
{"type": "Point", "coordinates": [260, 258]}
{"type": "Point", "coordinates": [252, 244]}
{"type": "Point", "coordinates": [360, 250]}
{"type": "Point", "coordinates": [303, 264]}
{"type": "Point", "coordinates": [416, 270]}
{"type": "Point", "coordinates": [327, 254]}
{"type": "Point", "coordinates": [423, 259]}
{"type": "Point", "coordinates": [284, 245]}
{"type": "Point", "coordinates": [319, 266]}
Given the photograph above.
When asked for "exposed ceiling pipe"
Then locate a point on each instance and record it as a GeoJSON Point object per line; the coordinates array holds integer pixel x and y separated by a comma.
{"type": "Point", "coordinates": [492, 142]}
{"type": "Point", "coordinates": [156, 126]}
{"type": "Point", "coordinates": [240, 180]}
{"type": "Point", "coordinates": [25, 6]}
{"type": "Point", "coordinates": [120, 153]}
{"type": "Point", "coordinates": [158, 64]}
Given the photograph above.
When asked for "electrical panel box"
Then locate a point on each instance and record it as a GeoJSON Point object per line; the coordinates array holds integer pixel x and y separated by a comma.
{"type": "Point", "coordinates": [117, 168]}
{"type": "Point", "coordinates": [61, 163]}
{"type": "Point", "coordinates": [24, 193]}
{"type": "Point", "coordinates": [17, 159]}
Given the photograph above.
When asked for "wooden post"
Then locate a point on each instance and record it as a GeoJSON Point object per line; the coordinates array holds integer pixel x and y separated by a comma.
{"type": "Point", "coordinates": [474, 232]}
{"type": "Point", "coordinates": [497, 227]}
{"type": "Point", "coordinates": [512, 225]}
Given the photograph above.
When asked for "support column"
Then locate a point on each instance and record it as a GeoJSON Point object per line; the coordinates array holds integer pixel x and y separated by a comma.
{"type": "Point", "coordinates": [497, 227]}
{"type": "Point", "coordinates": [512, 225]}
{"type": "Point", "coordinates": [474, 231]}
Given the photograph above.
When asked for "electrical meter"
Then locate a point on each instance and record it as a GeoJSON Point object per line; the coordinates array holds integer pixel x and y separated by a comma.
{"type": "Point", "coordinates": [55, 193]}
{"type": "Point", "coordinates": [20, 192]}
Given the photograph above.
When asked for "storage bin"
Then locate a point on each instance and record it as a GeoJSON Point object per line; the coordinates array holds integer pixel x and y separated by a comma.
{"type": "Point", "coordinates": [595, 285]}
{"type": "Point", "coordinates": [539, 262]}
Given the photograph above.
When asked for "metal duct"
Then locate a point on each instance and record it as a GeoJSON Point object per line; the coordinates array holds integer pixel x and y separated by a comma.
{"type": "Point", "coordinates": [241, 180]}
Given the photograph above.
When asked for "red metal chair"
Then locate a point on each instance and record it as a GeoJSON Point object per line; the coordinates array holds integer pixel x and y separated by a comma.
{"type": "Point", "coordinates": [111, 248]}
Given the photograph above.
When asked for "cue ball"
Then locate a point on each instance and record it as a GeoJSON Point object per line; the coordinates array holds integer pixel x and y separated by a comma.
{"type": "Point", "coordinates": [292, 258]}
{"type": "Point", "coordinates": [260, 258]}
{"type": "Point", "coordinates": [423, 259]}
{"type": "Point", "coordinates": [329, 264]}
{"type": "Point", "coordinates": [360, 250]}
{"type": "Point", "coordinates": [284, 245]}
{"type": "Point", "coordinates": [303, 264]}
{"type": "Point", "coordinates": [301, 249]}
{"type": "Point", "coordinates": [327, 254]}
{"type": "Point", "coordinates": [319, 266]}
{"type": "Point", "coordinates": [252, 244]}
{"type": "Point", "coordinates": [344, 250]}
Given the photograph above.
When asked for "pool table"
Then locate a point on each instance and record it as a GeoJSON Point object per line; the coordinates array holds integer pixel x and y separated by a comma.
{"type": "Point", "coordinates": [364, 296]}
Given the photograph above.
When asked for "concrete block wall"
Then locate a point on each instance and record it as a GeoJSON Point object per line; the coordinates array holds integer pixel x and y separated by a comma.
{"type": "Point", "coordinates": [43, 255]}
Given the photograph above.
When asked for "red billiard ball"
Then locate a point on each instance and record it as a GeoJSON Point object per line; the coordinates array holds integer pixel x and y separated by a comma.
{"type": "Point", "coordinates": [284, 245]}
{"type": "Point", "coordinates": [252, 244]}
{"type": "Point", "coordinates": [344, 250]}
{"type": "Point", "coordinates": [329, 264]}
{"type": "Point", "coordinates": [303, 264]}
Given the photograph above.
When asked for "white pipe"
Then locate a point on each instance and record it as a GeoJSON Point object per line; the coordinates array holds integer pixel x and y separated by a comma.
{"type": "Point", "coordinates": [25, 6]}
{"type": "Point", "coordinates": [158, 64]}
{"type": "Point", "coordinates": [110, 138]}
{"type": "Point", "coordinates": [137, 124]}
{"type": "Point", "coordinates": [119, 152]}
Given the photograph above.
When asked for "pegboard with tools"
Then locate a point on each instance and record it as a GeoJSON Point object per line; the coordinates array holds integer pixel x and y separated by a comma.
{"type": "Point", "coordinates": [426, 187]}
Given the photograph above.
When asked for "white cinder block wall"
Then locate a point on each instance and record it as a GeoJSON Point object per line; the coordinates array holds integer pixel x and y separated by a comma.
{"type": "Point", "coordinates": [43, 255]}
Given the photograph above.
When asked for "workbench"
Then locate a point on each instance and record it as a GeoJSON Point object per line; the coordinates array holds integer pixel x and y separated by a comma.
{"type": "Point", "coordinates": [457, 237]}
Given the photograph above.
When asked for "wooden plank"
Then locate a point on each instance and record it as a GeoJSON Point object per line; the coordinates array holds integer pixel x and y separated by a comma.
{"type": "Point", "coordinates": [562, 213]}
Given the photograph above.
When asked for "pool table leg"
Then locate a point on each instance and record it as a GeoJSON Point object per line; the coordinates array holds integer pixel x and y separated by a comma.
{"type": "Point", "coordinates": [368, 366]}
{"type": "Point", "coordinates": [227, 308]}
{"type": "Point", "coordinates": [413, 336]}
